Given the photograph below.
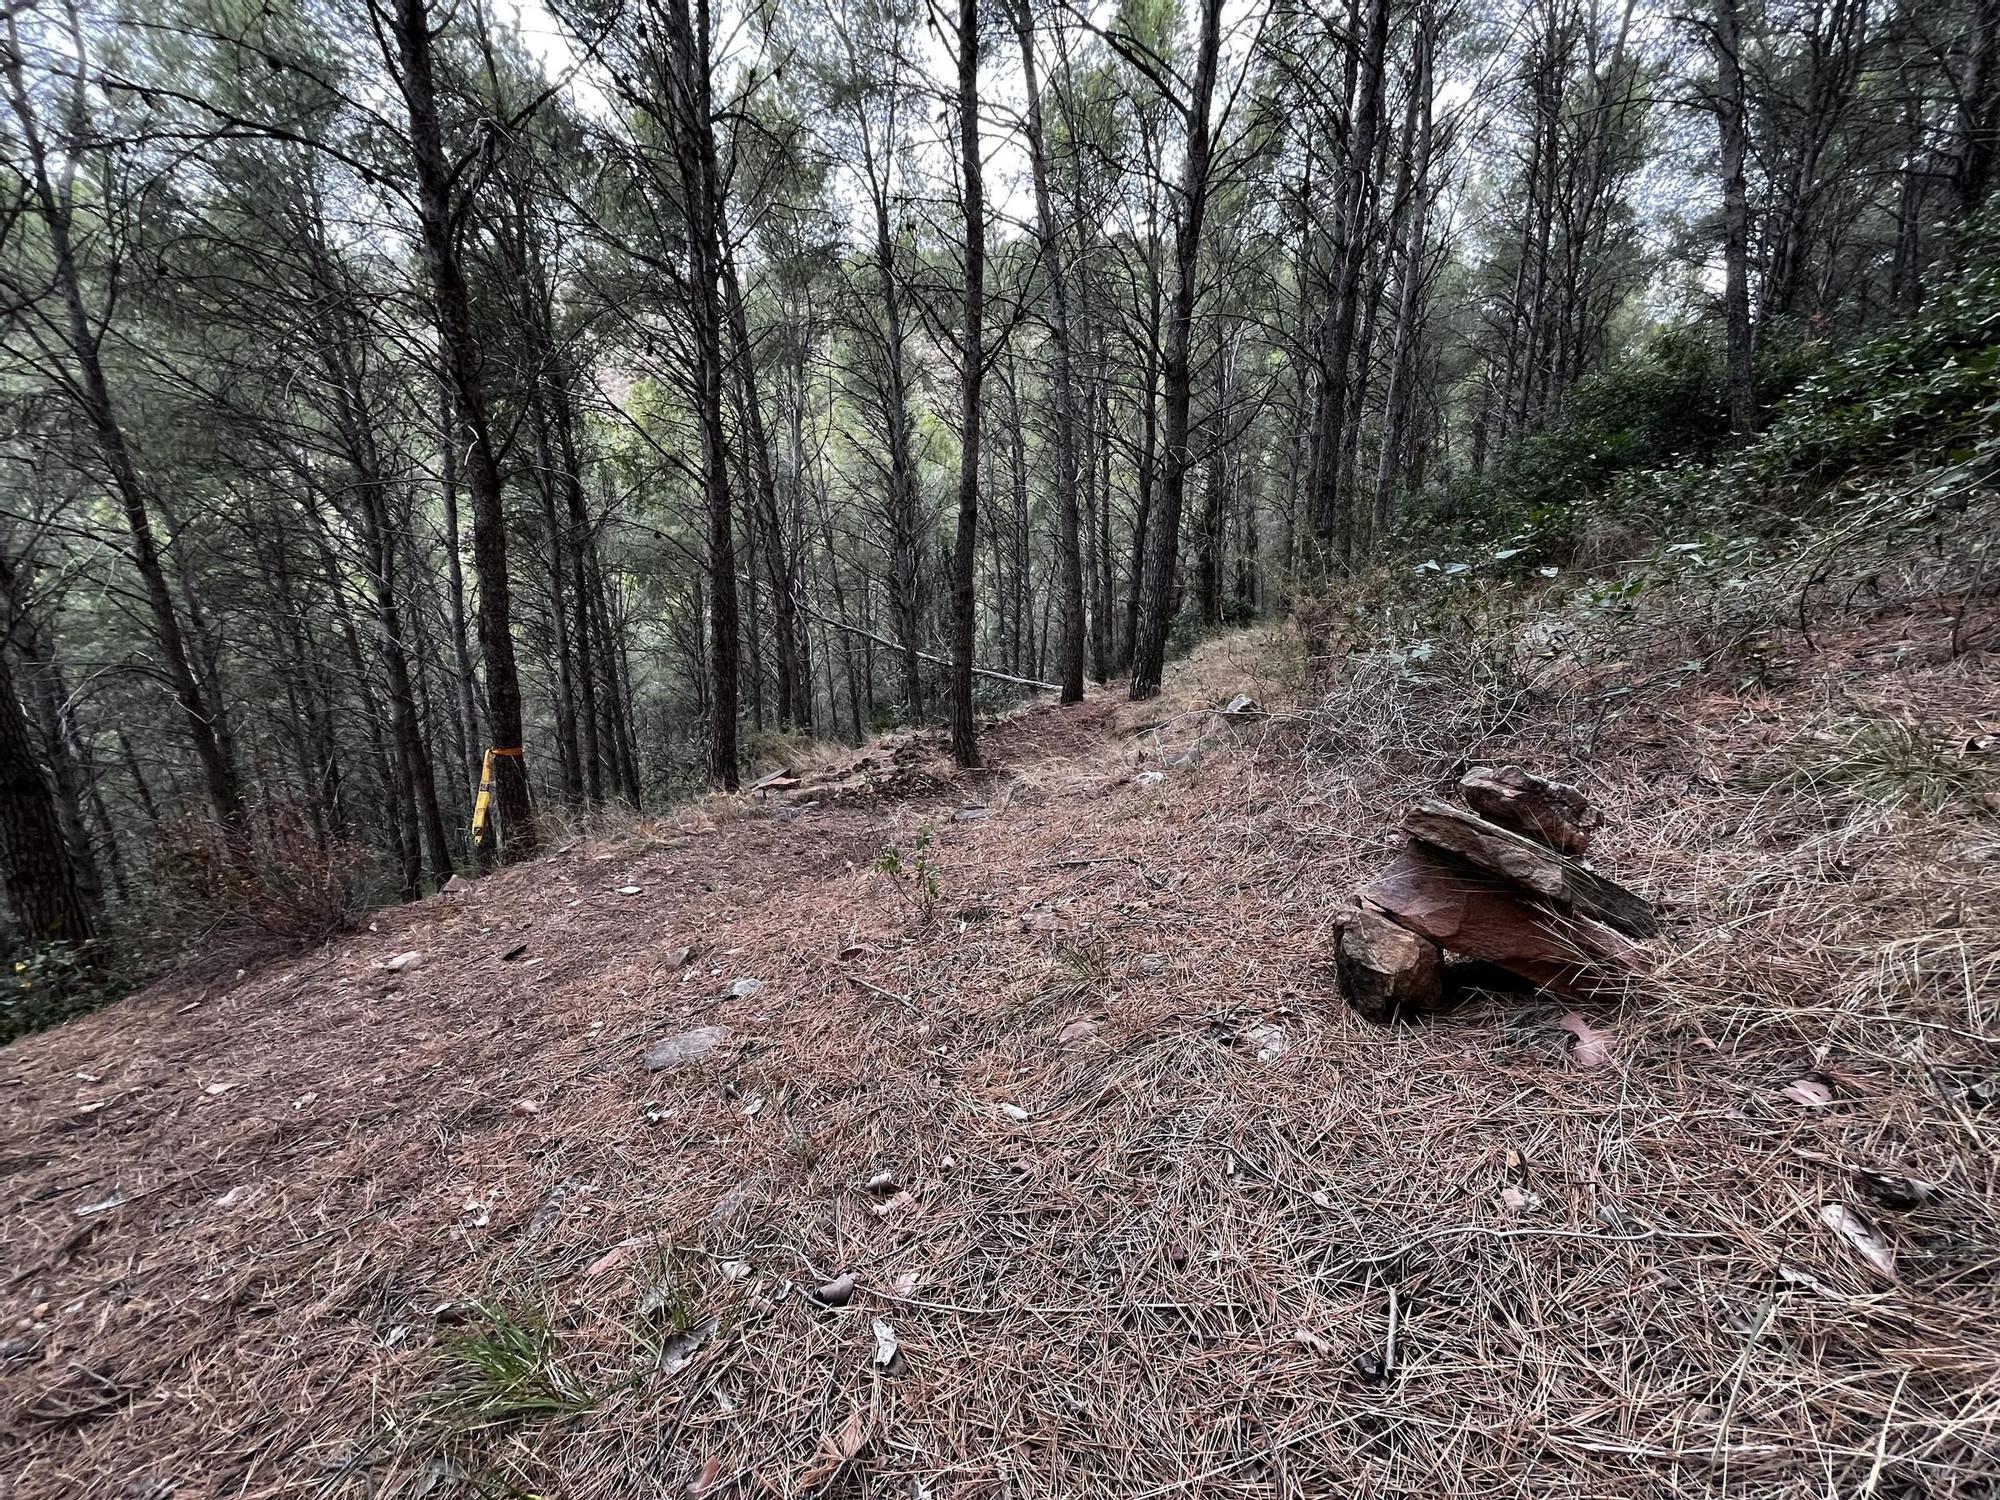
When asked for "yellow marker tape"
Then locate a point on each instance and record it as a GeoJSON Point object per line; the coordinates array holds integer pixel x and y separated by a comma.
{"type": "Point", "coordinates": [484, 801]}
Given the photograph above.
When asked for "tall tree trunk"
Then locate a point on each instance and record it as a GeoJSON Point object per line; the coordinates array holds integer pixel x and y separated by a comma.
{"type": "Point", "coordinates": [701, 202]}
{"type": "Point", "coordinates": [438, 226]}
{"type": "Point", "coordinates": [1731, 122]}
{"type": "Point", "coordinates": [417, 779]}
{"type": "Point", "coordinates": [1337, 325]}
{"type": "Point", "coordinates": [461, 650]}
{"type": "Point", "coordinates": [55, 205]}
{"type": "Point", "coordinates": [577, 542]}
{"type": "Point", "coordinates": [780, 559]}
{"type": "Point", "coordinates": [35, 860]}
{"type": "Point", "coordinates": [1069, 559]}
{"type": "Point", "coordinates": [972, 375]}
{"type": "Point", "coordinates": [1979, 109]}
{"type": "Point", "coordinates": [1156, 605]}
{"type": "Point", "coordinates": [1408, 298]}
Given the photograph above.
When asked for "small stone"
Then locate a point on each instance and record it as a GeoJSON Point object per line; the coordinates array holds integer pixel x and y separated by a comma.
{"type": "Point", "coordinates": [1898, 1194]}
{"type": "Point", "coordinates": [1270, 1041]}
{"type": "Point", "coordinates": [742, 989]}
{"type": "Point", "coordinates": [1243, 706]}
{"type": "Point", "coordinates": [1077, 1032]}
{"type": "Point", "coordinates": [403, 963]}
{"type": "Point", "coordinates": [686, 1047]}
{"type": "Point", "coordinates": [835, 1293]}
{"type": "Point", "coordinates": [1553, 811]}
{"type": "Point", "coordinates": [1386, 970]}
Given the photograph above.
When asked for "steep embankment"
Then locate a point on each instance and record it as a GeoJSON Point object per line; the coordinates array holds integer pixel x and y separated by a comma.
{"type": "Point", "coordinates": [1068, 1094]}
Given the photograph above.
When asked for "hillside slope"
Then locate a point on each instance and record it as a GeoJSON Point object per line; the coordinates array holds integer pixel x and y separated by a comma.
{"type": "Point", "coordinates": [1143, 1207]}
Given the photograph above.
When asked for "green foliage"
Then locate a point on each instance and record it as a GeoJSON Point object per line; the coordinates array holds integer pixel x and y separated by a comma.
{"type": "Point", "coordinates": [505, 1366]}
{"type": "Point", "coordinates": [1923, 395]}
{"type": "Point", "coordinates": [1643, 451]}
{"type": "Point", "coordinates": [1664, 405]}
{"type": "Point", "coordinates": [913, 874]}
{"type": "Point", "coordinates": [50, 982]}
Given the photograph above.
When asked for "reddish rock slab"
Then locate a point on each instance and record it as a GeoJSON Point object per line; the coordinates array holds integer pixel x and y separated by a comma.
{"type": "Point", "coordinates": [1472, 912]}
{"type": "Point", "coordinates": [1536, 868]}
{"type": "Point", "coordinates": [1554, 812]}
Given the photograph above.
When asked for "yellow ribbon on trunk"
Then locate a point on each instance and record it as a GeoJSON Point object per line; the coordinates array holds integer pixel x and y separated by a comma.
{"type": "Point", "coordinates": [483, 804]}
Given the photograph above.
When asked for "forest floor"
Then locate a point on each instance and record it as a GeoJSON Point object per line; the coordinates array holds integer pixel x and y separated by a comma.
{"type": "Point", "coordinates": [1130, 1202]}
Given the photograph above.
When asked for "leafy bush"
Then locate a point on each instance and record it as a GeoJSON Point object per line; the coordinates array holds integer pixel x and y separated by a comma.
{"type": "Point", "coordinates": [1923, 395]}
{"type": "Point", "coordinates": [47, 983]}
{"type": "Point", "coordinates": [1664, 405]}
{"type": "Point", "coordinates": [1643, 449]}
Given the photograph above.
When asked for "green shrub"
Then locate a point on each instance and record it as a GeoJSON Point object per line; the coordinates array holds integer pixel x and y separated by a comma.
{"type": "Point", "coordinates": [1664, 405]}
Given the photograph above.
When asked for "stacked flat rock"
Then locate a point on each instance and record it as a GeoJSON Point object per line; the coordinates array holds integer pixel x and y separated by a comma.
{"type": "Point", "coordinates": [1502, 885]}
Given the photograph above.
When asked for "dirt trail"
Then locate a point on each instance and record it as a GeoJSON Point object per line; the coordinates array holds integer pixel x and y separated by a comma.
{"type": "Point", "coordinates": [1089, 1128]}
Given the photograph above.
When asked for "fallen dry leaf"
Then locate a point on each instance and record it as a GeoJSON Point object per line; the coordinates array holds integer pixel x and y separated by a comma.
{"type": "Point", "coordinates": [835, 1449]}
{"type": "Point", "coordinates": [1593, 1047]}
{"type": "Point", "coordinates": [610, 1260]}
{"type": "Point", "coordinates": [1860, 1236]}
{"type": "Point", "coordinates": [888, 1353]}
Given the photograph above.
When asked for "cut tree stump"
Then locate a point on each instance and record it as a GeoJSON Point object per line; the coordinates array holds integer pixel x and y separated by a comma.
{"type": "Point", "coordinates": [1534, 867]}
{"type": "Point", "coordinates": [1385, 970]}
{"type": "Point", "coordinates": [1554, 812]}
{"type": "Point", "coordinates": [1473, 912]}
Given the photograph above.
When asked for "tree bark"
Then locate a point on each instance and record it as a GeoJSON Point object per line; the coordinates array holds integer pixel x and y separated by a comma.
{"type": "Point", "coordinates": [780, 557]}
{"type": "Point", "coordinates": [54, 205]}
{"type": "Point", "coordinates": [972, 375]}
{"type": "Point", "coordinates": [1069, 560]}
{"type": "Point", "coordinates": [438, 225]}
{"type": "Point", "coordinates": [701, 199]}
{"type": "Point", "coordinates": [35, 860]}
{"type": "Point", "coordinates": [1337, 325]}
{"type": "Point", "coordinates": [1156, 605]}
{"type": "Point", "coordinates": [1731, 122]}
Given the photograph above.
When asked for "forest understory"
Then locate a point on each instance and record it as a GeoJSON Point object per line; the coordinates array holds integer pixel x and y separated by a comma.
{"type": "Point", "coordinates": [1043, 1158]}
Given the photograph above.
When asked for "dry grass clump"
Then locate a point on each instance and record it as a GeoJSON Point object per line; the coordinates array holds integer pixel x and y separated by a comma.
{"type": "Point", "coordinates": [1818, 817]}
{"type": "Point", "coordinates": [1144, 1210]}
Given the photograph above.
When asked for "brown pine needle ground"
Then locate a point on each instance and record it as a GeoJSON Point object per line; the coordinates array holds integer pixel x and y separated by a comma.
{"type": "Point", "coordinates": [1152, 1213]}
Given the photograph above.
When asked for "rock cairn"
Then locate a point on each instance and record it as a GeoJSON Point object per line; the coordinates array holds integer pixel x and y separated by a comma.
{"type": "Point", "coordinates": [1503, 883]}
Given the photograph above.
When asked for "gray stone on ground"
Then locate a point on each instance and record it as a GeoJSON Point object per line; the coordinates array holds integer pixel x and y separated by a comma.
{"type": "Point", "coordinates": [1386, 970]}
{"type": "Point", "coordinates": [685, 1047]}
{"type": "Point", "coordinates": [1553, 811]}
